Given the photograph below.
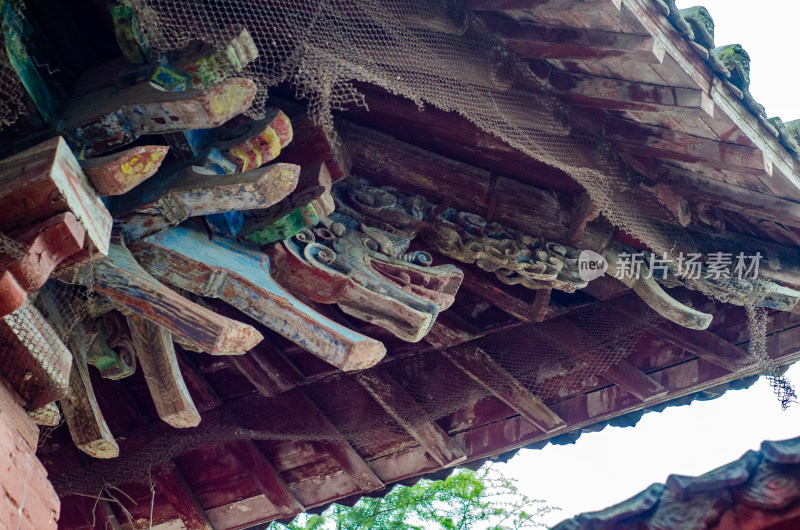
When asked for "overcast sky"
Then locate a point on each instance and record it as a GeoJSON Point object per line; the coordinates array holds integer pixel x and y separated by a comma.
{"type": "Point", "coordinates": [610, 466]}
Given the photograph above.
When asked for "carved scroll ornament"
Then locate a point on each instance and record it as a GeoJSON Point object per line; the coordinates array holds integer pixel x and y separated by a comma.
{"type": "Point", "coordinates": [369, 274]}
{"type": "Point", "coordinates": [513, 257]}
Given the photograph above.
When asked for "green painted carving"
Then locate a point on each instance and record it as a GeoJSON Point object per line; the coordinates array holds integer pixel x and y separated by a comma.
{"type": "Point", "coordinates": [112, 352]}
{"type": "Point", "coordinates": [131, 39]}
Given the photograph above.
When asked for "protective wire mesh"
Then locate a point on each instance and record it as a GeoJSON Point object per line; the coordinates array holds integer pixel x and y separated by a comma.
{"type": "Point", "coordinates": [432, 53]}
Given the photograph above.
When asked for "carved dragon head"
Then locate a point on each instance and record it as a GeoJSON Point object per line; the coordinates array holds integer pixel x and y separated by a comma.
{"type": "Point", "coordinates": [369, 274]}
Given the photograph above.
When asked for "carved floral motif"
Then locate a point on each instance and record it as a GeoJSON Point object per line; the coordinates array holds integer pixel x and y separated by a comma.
{"type": "Point", "coordinates": [514, 257]}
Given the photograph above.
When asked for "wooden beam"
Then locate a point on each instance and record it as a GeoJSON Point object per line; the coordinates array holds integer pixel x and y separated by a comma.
{"type": "Point", "coordinates": [410, 415]}
{"type": "Point", "coordinates": [633, 380]}
{"type": "Point", "coordinates": [268, 370]}
{"type": "Point", "coordinates": [47, 180]}
{"type": "Point", "coordinates": [540, 305]}
{"type": "Point", "coordinates": [729, 196]}
{"type": "Point", "coordinates": [32, 357]}
{"type": "Point", "coordinates": [658, 142]}
{"type": "Point", "coordinates": [119, 173]}
{"type": "Point", "coordinates": [204, 396]}
{"type": "Point", "coordinates": [239, 276]}
{"type": "Point", "coordinates": [123, 280]}
{"type": "Point", "coordinates": [163, 375]}
{"type": "Point", "coordinates": [386, 161]}
{"type": "Point", "coordinates": [707, 346]}
{"type": "Point", "coordinates": [112, 117]}
{"type": "Point", "coordinates": [266, 478]}
{"type": "Point", "coordinates": [618, 94]}
{"type": "Point", "coordinates": [43, 247]}
{"type": "Point", "coordinates": [167, 201]}
{"type": "Point", "coordinates": [87, 426]}
{"type": "Point", "coordinates": [534, 41]}
{"type": "Point", "coordinates": [479, 366]}
{"type": "Point", "coordinates": [173, 486]}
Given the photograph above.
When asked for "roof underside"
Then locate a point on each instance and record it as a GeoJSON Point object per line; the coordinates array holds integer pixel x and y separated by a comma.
{"type": "Point", "coordinates": [283, 431]}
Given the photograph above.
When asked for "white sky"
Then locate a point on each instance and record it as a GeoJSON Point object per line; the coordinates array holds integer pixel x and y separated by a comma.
{"type": "Point", "coordinates": [608, 467]}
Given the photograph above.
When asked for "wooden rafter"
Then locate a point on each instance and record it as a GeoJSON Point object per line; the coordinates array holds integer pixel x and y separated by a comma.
{"type": "Point", "coordinates": [173, 486]}
{"type": "Point", "coordinates": [535, 41]}
{"type": "Point", "coordinates": [264, 475]}
{"type": "Point", "coordinates": [477, 364]}
{"type": "Point", "coordinates": [408, 413]}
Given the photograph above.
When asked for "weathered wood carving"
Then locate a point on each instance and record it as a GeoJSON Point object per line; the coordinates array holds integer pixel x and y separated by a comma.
{"type": "Point", "coordinates": [241, 277]}
{"type": "Point", "coordinates": [310, 202]}
{"type": "Point", "coordinates": [170, 199]}
{"type": "Point", "coordinates": [47, 180]}
{"type": "Point", "coordinates": [208, 67]}
{"type": "Point", "coordinates": [514, 257]}
{"type": "Point", "coordinates": [131, 288]}
{"type": "Point", "coordinates": [112, 351]}
{"type": "Point", "coordinates": [119, 173]}
{"type": "Point", "coordinates": [368, 274]}
{"type": "Point", "coordinates": [85, 421]}
{"type": "Point", "coordinates": [163, 375]}
{"type": "Point", "coordinates": [114, 117]}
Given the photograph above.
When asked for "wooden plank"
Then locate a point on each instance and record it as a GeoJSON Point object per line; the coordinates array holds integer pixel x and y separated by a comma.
{"type": "Point", "coordinates": [47, 180]}
{"type": "Point", "coordinates": [633, 380]}
{"type": "Point", "coordinates": [32, 357]}
{"type": "Point", "coordinates": [161, 371]}
{"type": "Point", "coordinates": [173, 486]}
{"type": "Point", "coordinates": [264, 475]}
{"type": "Point", "coordinates": [45, 245]}
{"type": "Point", "coordinates": [657, 142]}
{"type": "Point", "coordinates": [239, 276]}
{"type": "Point", "coordinates": [540, 305]}
{"type": "Point", "coordinates": [123, 280]}
{"type": "Point", "coordinates": [479, 366]}
{"type": "Point", "coordinates": [410, 415]}
{"type": "Point", "coordinates": [119, 173]}
{"type": "Point", "coordinates": [618, 94]}
{"type": "Point", "coordinates": [87, 426]}
{"type": "Point", "coordinates": [534, 41]}
{"type": "Point", "coordinates": [112, 117]}
{"type": "Point", "coordinates": [169, 200]}
{"type": "Point", "coordinates": [243, 514]}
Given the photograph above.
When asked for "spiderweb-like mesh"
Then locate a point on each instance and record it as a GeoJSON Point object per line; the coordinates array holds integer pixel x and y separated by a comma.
{"type": "Point", "coordinates": [12, 93]}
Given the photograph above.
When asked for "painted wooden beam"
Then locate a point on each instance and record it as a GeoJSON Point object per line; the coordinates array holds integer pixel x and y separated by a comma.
{"type": "Point", "coordinates": [111, 117]}
{"type": "Point", "coordinates": [479, 366]}
{"type": "Point", "coordinates": [167, 201]}
{"type": "Point", "coordinates": [618, 94]}
{"type": "Point", "coordinates": [161, 371]}
{"type": "Point", "coordinates": [266, 478]}
{"type": "Point", "coordinates": [268, 369]}
{"type": "Point", "coordinates": [633, 380]}
{"type": "Point", "coordinates": [33, 359]}
{"type": "Point", "coordinates": [47, 180]}
{"type": "Point", "coordinates": [123, 280]}
{"type": "Point", "coordinates": [534, 41]}
{"type": "Point", "coordinates": [119, 173]}
{"type": "Point", "coordinates": [170, 483]}
{"type": "Point", "coordinates": [87, 426]}
{"type": "Point", "coordinates": [44, 246]}
{"type": "Point", "coordinates": [241, 277]}
{"type": "Point", "coordinates": [707, 346]}
{"type": "Point", "coordinates": [657, 142]}
{"type": "Point", "coordinates": [410, 415]}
